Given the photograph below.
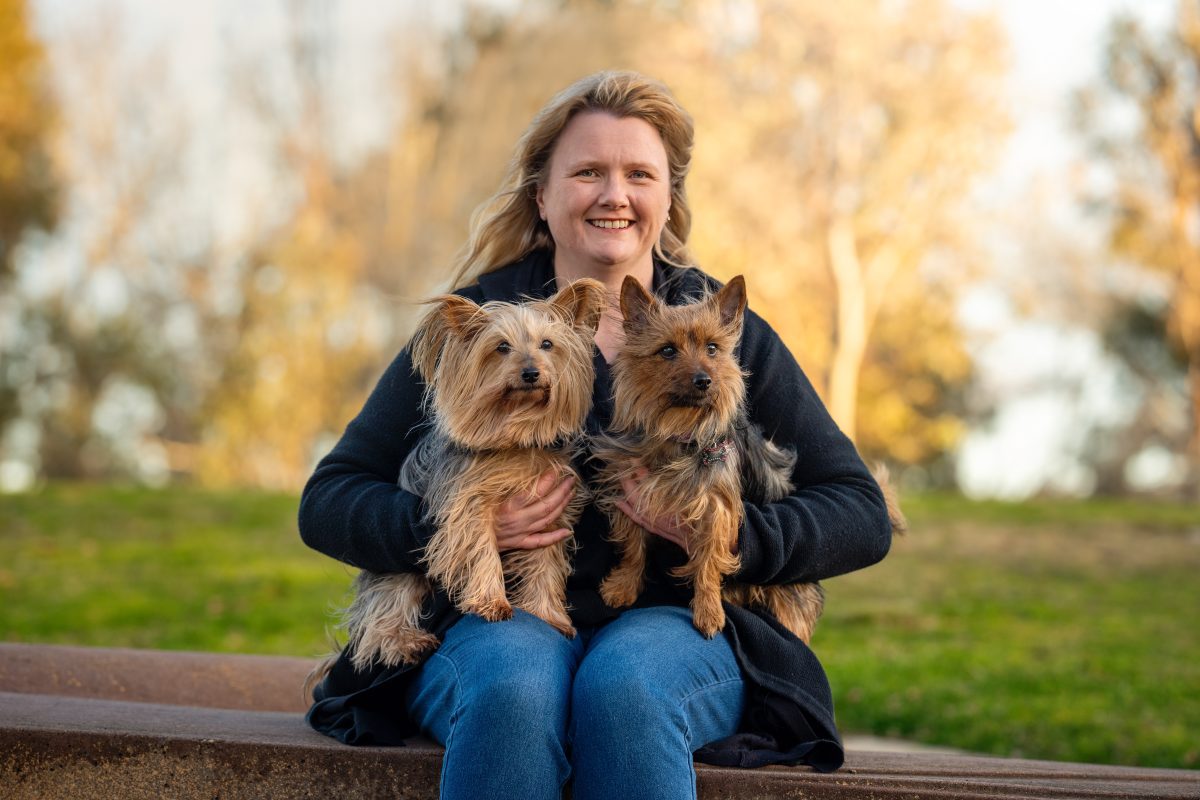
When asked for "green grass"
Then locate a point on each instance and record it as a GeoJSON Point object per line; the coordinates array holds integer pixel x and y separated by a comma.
{"type": "Point", "coordinates": [179, 569]}
{"type": "Point", "coordinates": [1059, 630]}
{"type": "Point", "coordinates": [1044, 630]}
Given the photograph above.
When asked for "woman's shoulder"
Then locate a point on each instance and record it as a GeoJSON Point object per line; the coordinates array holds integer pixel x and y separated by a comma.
{"type": "Point", "coordinates": [686, 284]}
{"type": "Point", "coordinates": [530, 276]}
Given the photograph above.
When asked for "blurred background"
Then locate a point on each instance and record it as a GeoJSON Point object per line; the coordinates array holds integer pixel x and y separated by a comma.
{"type": "Point", "coordinates": [976, 224]}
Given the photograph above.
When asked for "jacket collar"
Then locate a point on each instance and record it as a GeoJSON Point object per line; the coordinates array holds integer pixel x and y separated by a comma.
{"type": "Point", "coordinates": [533, 276]}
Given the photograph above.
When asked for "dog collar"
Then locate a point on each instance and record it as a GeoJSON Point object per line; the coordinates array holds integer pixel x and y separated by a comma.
{"type": "Point", "coordinates": [716, 452]}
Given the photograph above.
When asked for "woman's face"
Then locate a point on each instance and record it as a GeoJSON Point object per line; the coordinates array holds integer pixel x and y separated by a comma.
{"type": "Point", "coordinates": [606, 194]}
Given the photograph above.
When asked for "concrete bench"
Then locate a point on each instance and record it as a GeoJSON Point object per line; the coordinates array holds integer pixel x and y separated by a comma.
{"type": "Point", "coordinates": [108, 724]}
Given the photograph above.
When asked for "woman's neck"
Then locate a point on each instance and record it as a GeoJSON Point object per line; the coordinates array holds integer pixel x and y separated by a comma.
{"type": "Point", "coordinates": [611, 276]}
{"type": "Point", "coordinates": [610, 335]}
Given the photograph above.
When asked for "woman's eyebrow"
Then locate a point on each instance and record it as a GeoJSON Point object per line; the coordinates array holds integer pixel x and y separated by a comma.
{"type": "Point", "coordinates": [584, 163]}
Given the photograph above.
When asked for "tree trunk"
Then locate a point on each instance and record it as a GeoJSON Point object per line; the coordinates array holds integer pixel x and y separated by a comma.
{"type": "Point", "coordinates": [1192, 488]}
{"type": "Point", "coordinates": [850, 343]}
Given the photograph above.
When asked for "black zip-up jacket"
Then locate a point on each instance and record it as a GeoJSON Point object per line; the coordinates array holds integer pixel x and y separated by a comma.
{"type": "Point", "coordinates": [834, 522]}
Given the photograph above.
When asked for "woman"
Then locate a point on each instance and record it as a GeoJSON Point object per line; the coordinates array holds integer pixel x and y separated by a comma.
{"type": "Point", "coordinates": [597, 190]}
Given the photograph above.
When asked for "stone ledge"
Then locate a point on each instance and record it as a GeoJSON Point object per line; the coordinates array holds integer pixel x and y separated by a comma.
{"type": "Point", "coordinates": [211, 680]}
{"type": "Point", "coordinates": [57, 746]}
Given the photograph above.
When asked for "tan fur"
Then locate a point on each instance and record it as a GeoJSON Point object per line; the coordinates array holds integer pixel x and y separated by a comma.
{"type": "Point", "coordinates": [494, 434]}
{"type": "Point", "coordinates": [662, 420]}
{"type": "Point", "coordinates": [891, 497]}
{"type": "Point", "coordinates": [651, 430]}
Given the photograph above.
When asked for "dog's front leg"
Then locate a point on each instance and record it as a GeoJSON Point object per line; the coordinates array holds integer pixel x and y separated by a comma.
{"type": "Point", "coordinates": [623, 585]}
{"type": "Point", "coordinates": [463, 557]}
{"type": "Point", "coordinates": [709, 561]}
{"type": "Point", "coordinates": [541, 584]}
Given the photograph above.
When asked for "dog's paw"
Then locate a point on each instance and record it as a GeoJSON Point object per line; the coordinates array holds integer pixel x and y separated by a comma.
{"type": "Point", "coordinates": [566, 629]}
{"type": "Point", "coordinates": [618, 592]}
{"type": "Point", "coordinates": [708, 620]}
{"type": "Point", "coordinates": [492, 610]}
{"type": "Point", "coordinates": [556, 618]}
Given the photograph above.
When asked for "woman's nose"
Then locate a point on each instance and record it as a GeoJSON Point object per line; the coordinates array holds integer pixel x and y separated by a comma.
{"type": "Point", "coordinates": [614, 194]}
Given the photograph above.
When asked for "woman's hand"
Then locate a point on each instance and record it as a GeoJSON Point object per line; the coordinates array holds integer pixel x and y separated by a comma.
{"type": "Point", "coordinates": [666, 527]}
{"type": "Point", "coordinates": [522, 520]}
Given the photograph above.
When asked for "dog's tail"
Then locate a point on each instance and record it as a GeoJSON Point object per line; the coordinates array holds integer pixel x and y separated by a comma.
{"type": "Point", "coordinates": [895, 515]}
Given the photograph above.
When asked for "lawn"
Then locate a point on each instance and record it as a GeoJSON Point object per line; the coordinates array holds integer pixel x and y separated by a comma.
{"type": "Point", "coordinates": [1047, 630]}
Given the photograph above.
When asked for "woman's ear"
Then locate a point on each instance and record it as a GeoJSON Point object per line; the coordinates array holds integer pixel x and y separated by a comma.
{"type": "Point", "coordinates": [541, 204]}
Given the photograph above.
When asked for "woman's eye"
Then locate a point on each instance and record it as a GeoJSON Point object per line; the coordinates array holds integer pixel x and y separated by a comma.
{"type": "Point", "coordinates": [504, 347]}
{"type": "Point", "coordinates": [587, 173]}
{"type": "Point", "coordinates": [547, 344]}
{"type": "Point", "coordinates": [712, 349]}
{"type": "Point", "coordinates": [668, 352]}
{"type": "Point", "coordinates": [639, 175]}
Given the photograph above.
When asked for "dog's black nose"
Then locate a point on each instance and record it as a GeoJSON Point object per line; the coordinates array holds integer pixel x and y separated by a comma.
{"type": "Point", "coordinates": [701, 381]}
{"type": "Point", "coordinates": [530, 375]}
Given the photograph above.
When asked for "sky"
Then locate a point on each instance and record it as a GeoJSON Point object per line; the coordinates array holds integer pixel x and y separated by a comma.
{"type": "Point", "coordinates": [1056, 48]}
{"type": "Point", "coordinates": [1052, 383]}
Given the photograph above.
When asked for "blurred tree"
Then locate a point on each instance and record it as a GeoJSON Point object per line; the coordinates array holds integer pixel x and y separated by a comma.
{"type": "Point", "coordinates": [28, 191]}
{"type": "Point", "coordinates": [837, 147]}
{"type": "Point", "coordinates": [90, 317]}
{"type": "Point", "coordinates": [306, 337]}
{"type": "Point", "coordinates": [1154, 206]}
{"type": "Point", "coordinates": [834, 150]}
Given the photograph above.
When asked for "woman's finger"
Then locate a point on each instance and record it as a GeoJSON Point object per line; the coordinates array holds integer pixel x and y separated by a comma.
{"type": "Point", "coordinates": [628, 510]}
{"type": "Point", "coordinates": [630, 488]}
{"type": "Point", "coordinates": [527, 513]}
{"type": "Point", "coordinates": [518, 509]}
{"type": "Point", "coordinates": [551, 506]}
{"type": "Point", "coordinates": [551, 515]}
{"type": "Point", "coordinates": [660, 527]}
{"type": "Point", "coordinates": [532, 541]}
{"type": "Point", "coordinates": [545, 483]}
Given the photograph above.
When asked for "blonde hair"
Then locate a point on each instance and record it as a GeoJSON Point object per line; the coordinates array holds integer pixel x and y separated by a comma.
{"type": "Point", "coordinates": [507, 227]}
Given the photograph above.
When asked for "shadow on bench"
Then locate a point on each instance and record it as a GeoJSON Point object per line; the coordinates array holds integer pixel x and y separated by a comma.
{"type": "Point", "coordinates": [98, 723]}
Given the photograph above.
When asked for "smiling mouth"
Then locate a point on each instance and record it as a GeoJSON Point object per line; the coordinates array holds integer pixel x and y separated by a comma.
{"type": "Point", "coordinates": [610, 224]}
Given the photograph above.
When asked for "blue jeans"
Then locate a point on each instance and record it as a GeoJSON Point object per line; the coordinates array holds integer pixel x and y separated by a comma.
{"type": "Point", "coordinates": [521, 709]}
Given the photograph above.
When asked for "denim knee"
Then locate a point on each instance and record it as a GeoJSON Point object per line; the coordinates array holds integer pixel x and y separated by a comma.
{"type": "Point", "coordinates": [496, 696]}
{"type": "Point", "coordinates": [620, 694]}
{"type": "Point", "coordinates": [515, 672]}
{"type": "Point", "coordinates": [525, 699]}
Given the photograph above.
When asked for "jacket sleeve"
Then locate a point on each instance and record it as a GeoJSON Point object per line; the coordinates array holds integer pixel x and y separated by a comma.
{"type": "Point", "coordinates": [835, 520]}
{"type": "Point", "coordinates": [352, 508]}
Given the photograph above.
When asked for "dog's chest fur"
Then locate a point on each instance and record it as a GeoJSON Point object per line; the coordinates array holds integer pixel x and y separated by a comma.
{"type": "Point", "coordinates": [445, 474]}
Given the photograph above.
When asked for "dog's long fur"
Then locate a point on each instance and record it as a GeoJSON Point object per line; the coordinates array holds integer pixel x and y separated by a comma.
{"type": "Point", "coordinates": [679, 418]}
{"type": "Point", "coordinates": [509, 388]}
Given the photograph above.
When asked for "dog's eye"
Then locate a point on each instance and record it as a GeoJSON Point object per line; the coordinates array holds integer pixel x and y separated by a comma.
{"type": "Point", "coordinates": [668, 352]}
{"type": "Point", "coordinates": [504, 347]}
{"type": "Point", "coordinates": [547, 344]}
{"type": "Point", "coordinates": [712, 349]}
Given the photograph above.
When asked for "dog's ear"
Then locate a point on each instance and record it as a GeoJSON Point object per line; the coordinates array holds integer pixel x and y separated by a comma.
{"type": "Point", "coordinates": [464, 318]}
{"type": "Point", "coordinates": [731, 302]}
{"type": "Point", "coordinates": [582, 301]}
{"type": "Point", "coordinates": [450, 315]}
{"type": "Point", "coordinates": [636, 302]}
